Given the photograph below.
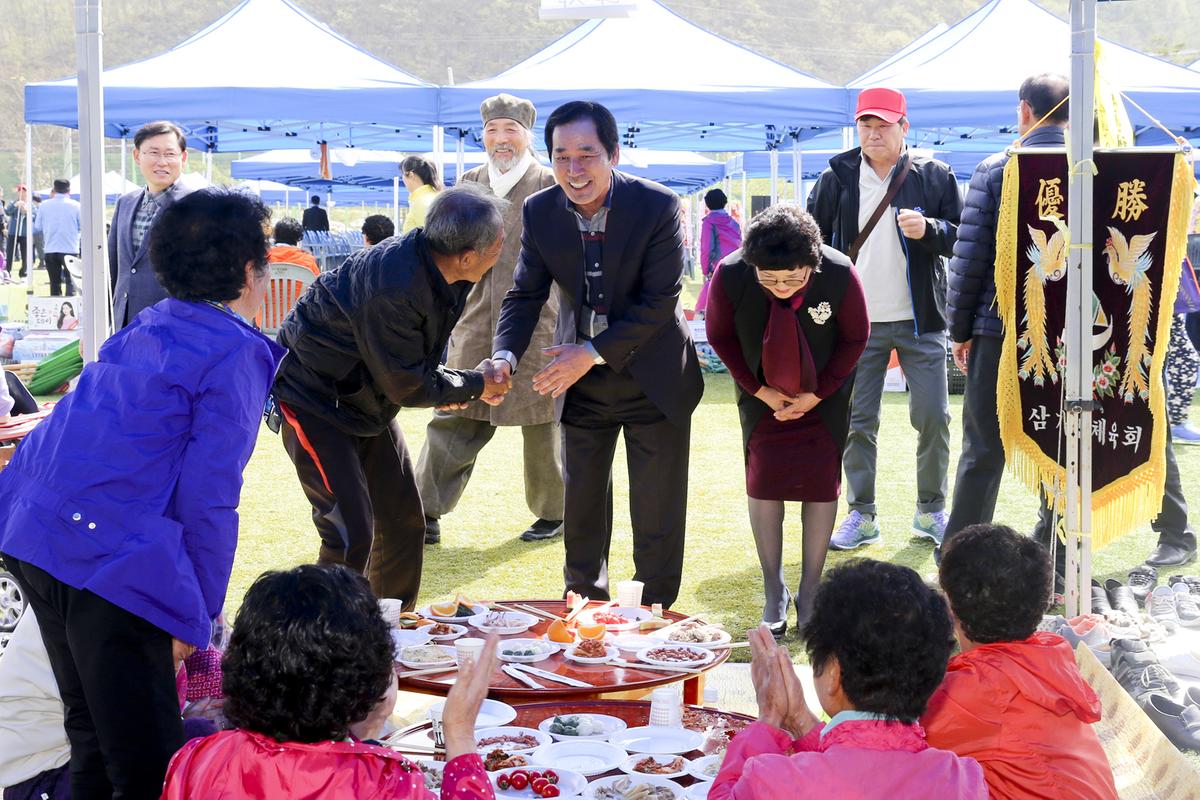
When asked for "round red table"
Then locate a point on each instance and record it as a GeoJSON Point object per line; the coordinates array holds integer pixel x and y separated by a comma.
{"type": "Point", "coordinates": [607, 680]}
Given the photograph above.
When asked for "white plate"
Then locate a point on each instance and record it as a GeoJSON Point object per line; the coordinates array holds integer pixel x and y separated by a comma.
{"type": "Point", "coordinates": [653, 780]}
{"type": "Point", "coordinates": [611, 725]}
{"type": "Point", "coordinates": [589, 758]}
{"type": "Point", "coordinates": [698, 791]}
{"type": "Point", "coordinates": [492, 714]}
{"type": "Point", "coordinates": [610, 653]}
{"type": "Point", "coordinates": [697, 766]}
{"type": "Point", "coordinates": [706, 656]}
{"type": "Point", "coordinates": [665, 634]}
{"type": "Point", "coordinates": [451, 659]}
{"type": "Point", "coordinates": [458, 631]}
{"type": "Point", "coordinates": [569, 784]}
{"type": "Point", "coordinates": [627, 767]}
{"type": "Point", "coordinates": [409, 638]}
{"type": "Point", "coordinates": [635, 642]}
{"type": "Point", "coordinates": [516, 622]}
{"type": "Point", "coordinates": [657, 740]}
{"type": "Point", "coordinates": [433, 766]}
{"type": "Point", "coordinates": [511, 730]}
{"type": "Point", "coordinates": [427, 612]}
{"type": "Point", "coordinates": [634, 615]}
{"type": "Point", "coordinates": [544, 650]}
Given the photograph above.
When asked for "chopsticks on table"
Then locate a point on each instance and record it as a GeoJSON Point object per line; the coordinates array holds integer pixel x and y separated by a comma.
{"type": "Point", "coordinates": [406, 747]}
{"type": "Point", "coordinates": [620, 662]}
{"type": "Point", "coordinates": [675, 624]}
{"type": "Point", "coordinates": [597, 610]}
{"type": "Point", "coordinates": [524, 609]}
{"type": "Point", "coordinates": [553, 676]}
{"type": "Point", "coordinates": [416, 673]}
{"type": "Point", "coordinates": [520, 677]}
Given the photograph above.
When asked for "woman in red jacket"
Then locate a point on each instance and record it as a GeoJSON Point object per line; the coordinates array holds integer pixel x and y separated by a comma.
{"type": "Point", "coordinates": [310, 659]}
{"type": "Point", "coordinates": [1013, 699]}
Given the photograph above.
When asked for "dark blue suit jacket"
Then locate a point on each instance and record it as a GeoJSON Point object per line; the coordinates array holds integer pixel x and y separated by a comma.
{"type": "Point", "coordinates": [134, 284]}
{"type": "Point", "coordinates": [647, 336]}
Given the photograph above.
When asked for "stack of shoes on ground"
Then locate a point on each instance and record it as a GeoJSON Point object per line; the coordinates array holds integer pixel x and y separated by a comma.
{"type": "Point", "coordinates": [1167, 689]}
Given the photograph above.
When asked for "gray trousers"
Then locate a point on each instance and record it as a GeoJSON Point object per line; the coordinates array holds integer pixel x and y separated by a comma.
{"type": "Point", "coordinates": [452, 443]}
{"type": "Point", "coordinates": [923, 359]}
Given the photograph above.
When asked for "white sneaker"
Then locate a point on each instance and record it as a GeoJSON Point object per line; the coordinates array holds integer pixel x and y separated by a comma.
{"type": "Point", "coordinates": [1186, 606]}
{"type": "Point", "coordinates": [1163, 607]}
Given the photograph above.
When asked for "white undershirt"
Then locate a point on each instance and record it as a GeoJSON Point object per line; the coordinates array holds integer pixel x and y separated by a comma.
{"type": "Point", "coordinates": [881, 265]}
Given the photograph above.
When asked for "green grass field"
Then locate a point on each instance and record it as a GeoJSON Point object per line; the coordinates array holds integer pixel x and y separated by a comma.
{"type": "Point", "coordinates": [481, 555]}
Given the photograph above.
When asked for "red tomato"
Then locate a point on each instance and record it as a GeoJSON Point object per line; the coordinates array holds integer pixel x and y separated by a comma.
{"type": "Point", "coordinates": [538, 784]}
{"type": "Point", "coordinates": [551, 791]}
{"type": "Point", "coordinates": [550, 775]}
{"type": "Point", "coordinates": [522, 772]}
{"type": "Point", "coordinates": [533, 775]}
{"type": "Point", "coordinates": [502, 782]}
{"type": "Point", "coordinates": [518, 780]}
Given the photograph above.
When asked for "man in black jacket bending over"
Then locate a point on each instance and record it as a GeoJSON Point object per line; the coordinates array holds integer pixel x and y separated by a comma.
{"type": "Point", "coordinates": [364, 341]}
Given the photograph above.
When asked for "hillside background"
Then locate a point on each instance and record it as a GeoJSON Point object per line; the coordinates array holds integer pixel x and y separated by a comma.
{"type": "Point", "coordinates": [832, 39]}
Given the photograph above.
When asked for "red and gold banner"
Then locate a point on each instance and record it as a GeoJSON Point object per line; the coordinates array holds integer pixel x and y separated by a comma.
{"type": "Point", "coordinates": [1141, 207]}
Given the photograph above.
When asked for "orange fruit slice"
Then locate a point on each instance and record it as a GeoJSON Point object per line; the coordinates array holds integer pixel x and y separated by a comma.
{"type": "Point", "coordinates": [592, 631]}
{"type": "Point", "coordinates": [558, 632]}
{"type": "Point", "coordinates": [446, 609]}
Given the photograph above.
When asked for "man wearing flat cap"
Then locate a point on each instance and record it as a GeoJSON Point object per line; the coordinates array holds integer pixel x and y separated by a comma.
{"type": "Point", "coordinates": [454, 438]}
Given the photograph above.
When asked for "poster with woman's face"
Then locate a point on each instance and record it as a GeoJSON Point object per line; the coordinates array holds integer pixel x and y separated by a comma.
{"type": "Point", "coordinates": [54, 313]}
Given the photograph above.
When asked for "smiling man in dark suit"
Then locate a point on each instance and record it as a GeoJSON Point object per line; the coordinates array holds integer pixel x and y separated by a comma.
{"type": "Point", "coordinates": [623, 359]}
{"type": "Point", "coordinates": [160, 151]}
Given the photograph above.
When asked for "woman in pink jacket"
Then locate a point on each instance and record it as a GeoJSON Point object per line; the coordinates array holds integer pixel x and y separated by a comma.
{"type": "Point", "coordinates": [878, 640]}
{"type": "Point", "coordinates": [720, 235]}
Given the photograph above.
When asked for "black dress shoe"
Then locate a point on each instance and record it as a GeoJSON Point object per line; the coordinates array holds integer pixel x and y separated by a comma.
{"type": "Point", "coordinates": [1142, 580]}
{"type": "Point", "coordinates": [543, 529]}
{"type": "Point", "coordinates": [1100, 603]}
{"type": "Point", "coordinates": [1171, 555]}
{"type": "Point", "coordinates": [433, 530]}
{"type": "Point", "coordinates": [1121, 597]}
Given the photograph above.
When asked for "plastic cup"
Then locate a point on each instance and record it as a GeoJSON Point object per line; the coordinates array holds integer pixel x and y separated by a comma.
{"type": "Point", "coordinates": [664, 707]}
{"type": "Point", "coordinates": [629, 594]}
{"type": "Point", "coordinates": [468, 649]}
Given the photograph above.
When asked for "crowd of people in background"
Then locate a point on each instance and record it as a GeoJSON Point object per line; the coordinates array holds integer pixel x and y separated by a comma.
{"type": "Point", "coordinates": [548, 299]}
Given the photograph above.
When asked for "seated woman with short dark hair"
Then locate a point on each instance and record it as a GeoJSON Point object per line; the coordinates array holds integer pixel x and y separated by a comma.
{"type": "Point", "coordinates": [310, 663]}
{"type": "Point", "coordinates": [1013, 698]}
{"type": "Point", "coordinates": [878, 640]}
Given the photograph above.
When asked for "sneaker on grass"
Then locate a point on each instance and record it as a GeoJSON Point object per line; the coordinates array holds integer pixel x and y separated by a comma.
{"type": "Point", "coordinates": [855, 531]}
{"type": "Point", "coordinates": [931, 525]}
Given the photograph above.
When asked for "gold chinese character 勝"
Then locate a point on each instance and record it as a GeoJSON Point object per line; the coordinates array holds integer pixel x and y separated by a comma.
{"type": "Point", "coordinates": [1049, 197]}
{"type": "Point", "coordinates": [1131, 200]}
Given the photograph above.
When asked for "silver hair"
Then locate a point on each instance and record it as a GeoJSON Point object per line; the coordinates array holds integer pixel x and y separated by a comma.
{"type": "Point", "coordinates": [467, 217]}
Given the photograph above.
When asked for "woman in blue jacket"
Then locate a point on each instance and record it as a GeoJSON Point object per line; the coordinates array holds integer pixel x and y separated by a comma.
{"type": "Point", "coordinates": [121, 518]}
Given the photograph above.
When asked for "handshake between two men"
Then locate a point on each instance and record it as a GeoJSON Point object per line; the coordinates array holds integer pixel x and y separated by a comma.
{"type": "Point", "coordinates": [571, 362]}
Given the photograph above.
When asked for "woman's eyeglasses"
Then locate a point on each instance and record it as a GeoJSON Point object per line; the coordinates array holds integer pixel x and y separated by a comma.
{"type": "Point", "coordinates": [791, 283]}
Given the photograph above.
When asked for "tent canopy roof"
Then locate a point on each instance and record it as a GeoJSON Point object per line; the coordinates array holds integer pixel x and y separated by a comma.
{"type": "Point", "coordinates": [719, 99]}
{"type": "Point", "coordinates": [968, 75]}
{"type": "Point", "coordinates": [226, 85]}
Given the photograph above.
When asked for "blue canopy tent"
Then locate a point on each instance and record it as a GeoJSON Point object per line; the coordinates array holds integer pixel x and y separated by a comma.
{"type": "Point", "coordinates": [965, 79]}
{"type": "Point", "coordinates": [669, 82]}
{"type": "Point", "coordinates": [681, 171]}
{"type": "Point", "coordinates": [226, 87]}
{"type": "Point", "coordinates": [272, 193]}
{"type": "Point", "coordinates": [347, 166]}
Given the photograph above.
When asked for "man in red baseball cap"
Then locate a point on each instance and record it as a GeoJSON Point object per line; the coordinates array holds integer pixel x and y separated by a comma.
{"type": "Point", "coordinates": [895, 213]}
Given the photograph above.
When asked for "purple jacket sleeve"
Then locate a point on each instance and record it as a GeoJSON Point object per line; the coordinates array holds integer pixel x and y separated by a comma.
{"type": "Point", "coordinates": [225, 419]}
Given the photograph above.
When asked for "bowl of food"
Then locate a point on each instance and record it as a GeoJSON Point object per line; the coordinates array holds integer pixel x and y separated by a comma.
{"type": "Point", "coordinates": [500, 758]}
{"type": "Point", "coordinates": [432, 772]}
{"type": "Point", "coordinates": [457, 610]}
{"type": "Point", "coordinates": [643, 787]}
{"type": "Point", "coordinates": [527, 782]}
{"type": "Point", "coordinates": [664, 766]}
{"type": "Point", "coordinates": [510, 738]}
{"type": "Point", "coordinates": [428, 656]}
{"type": "Point", "coordinates": [591, 651]}
{"type": "Point", "coordinates": [409, 638]}
{"type": "Point", "coordinates": [676, 655]}
{"type": "Point", "coordinates": [445, 631]}
{"type": "Point", "coordinates": [526, 651]}
{"type": "Point", "coordinates": [567, 727]}
{"type": "Point", "coordinates": [503, 623]}
{"type": "Point", "coordinates": [619, 619]}
{"type": "Point", "coordinates": [694, 632]}
{"type": "Point", "coordinates": [706, 768]}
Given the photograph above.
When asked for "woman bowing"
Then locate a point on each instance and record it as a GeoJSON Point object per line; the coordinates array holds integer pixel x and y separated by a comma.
{"type": "Point", "coordinates": [787, 316]}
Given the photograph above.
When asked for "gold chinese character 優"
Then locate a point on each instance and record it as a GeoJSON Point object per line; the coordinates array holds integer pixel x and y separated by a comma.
{"type": "Point", "coordinates": [1131, 200]}
{"type": "Point", "coordinates": [1049, 197]}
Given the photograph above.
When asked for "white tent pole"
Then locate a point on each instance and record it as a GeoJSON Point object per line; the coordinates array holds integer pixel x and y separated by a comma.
{"type": "Point", "coordinates": [797, 175]}
{"type": "Point", "coordinates": [396, 201]}
{"type": "Point", "coordinates": [89, 62]}
{"type": "Point", "coordinates": [287, 200]}
{"type": "Point", "coordinates": [459, 157]}
{"type": "Point", "coordinates": [1079, 318]}
{"type": "Point", "coordinates": [774, 176]}
{"type": "Point", "coordinates": [439, 151]}
{"type": "Point", "coordinates": [123, 163]}
{"type": "Point", "coordinates": [745, 194]}
{"type": "Point", "coordinates": [29, 205]}
{"type": "Point", "coordinates": [208, 159]}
